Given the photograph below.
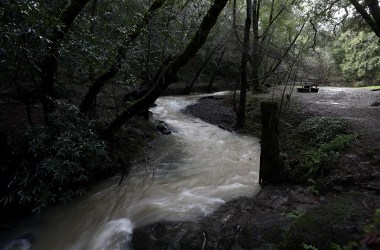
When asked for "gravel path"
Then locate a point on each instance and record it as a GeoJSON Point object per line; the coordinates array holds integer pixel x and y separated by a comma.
{"type": "Point", "coordinates": [351, 104]}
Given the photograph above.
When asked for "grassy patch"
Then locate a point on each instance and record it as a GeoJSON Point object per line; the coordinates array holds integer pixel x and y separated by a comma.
{"type": "Point", "coordinates": [370, 87]}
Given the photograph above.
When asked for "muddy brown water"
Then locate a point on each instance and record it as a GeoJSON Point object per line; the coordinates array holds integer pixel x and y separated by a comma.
{"type": "Point", "coordinates": [190, 174]}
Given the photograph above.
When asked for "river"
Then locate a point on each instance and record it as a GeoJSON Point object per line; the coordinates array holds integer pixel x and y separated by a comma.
{"type": "Point", "coordinates": [190, 173]}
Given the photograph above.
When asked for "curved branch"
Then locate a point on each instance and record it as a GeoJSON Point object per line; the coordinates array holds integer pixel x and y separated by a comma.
{"type": "Point", "coordinates": [366, 16]}
{"type": "Point", "coordinates": [99, 82]}
{"type": "Point", "coordinates": [169, 72]}
{"type": "Point", "coordinates": [374, 9]}
{"type": "Point", "coordinates": [285, 54]}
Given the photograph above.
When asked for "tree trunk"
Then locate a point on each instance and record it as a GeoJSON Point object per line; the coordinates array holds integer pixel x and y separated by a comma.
{"type": "Point", "coordinates": [99, 82]}
{"type": "Point", "coordinates": [196, 76]}
{"type": "Point", "coordinates": [169, 73]}
{"type": "Point", "coordinates": [270, 151]}
{"type": "Point", "coordinates": [148, 85]}
{"type": "Point", "coordinates": [234, 26]}
{"type": "Point", "coordinates": [374, 9]}
{"type": "Point", "coordinates": [210, 83]}
{"type": "Point", "coordinates": [255, 47]}
{"type": "Point", "coordinates": [93, 8]}
{"type": "Point", "coordinates": [49, 64]}
{"type": "Point", "coordinates": [372, 19]}
{"type": "Point", "coordinates": [3, 146]}
{"type": "Point", "coordinates": [240, 122]}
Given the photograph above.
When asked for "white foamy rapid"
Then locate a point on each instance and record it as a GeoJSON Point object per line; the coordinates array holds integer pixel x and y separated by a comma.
{"type": "Point", "coordinates": [191, 172]}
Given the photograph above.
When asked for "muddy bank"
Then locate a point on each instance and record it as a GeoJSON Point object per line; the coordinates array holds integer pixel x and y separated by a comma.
{"type": "Point", "coordinates": [270, 220]}
{"type": "Point", "coordinates": [214, 110]}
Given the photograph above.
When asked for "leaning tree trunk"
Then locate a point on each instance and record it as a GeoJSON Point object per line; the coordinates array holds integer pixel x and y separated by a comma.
{"type": "Point", "coordinates": [99, 82]}
{"type": "Point", "coordinates": [170, 71]}
{"type": "Point", "coordinates": [373, 17]}
{"type": "Point", "coordinates": [240, 122]}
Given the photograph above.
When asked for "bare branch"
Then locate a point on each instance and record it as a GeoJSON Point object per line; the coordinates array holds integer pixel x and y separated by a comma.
{"type": "Point", "coordinates": [315, 34]}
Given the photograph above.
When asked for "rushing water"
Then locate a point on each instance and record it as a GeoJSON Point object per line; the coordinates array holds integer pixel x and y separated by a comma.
{"type": "Point", "coordinates": [190, 173]}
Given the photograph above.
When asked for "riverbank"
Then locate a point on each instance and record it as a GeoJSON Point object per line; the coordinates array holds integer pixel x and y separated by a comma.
{"type": "Point", "coordinates": [25, 144]}
{"type": "Point", "coordinates": [290, 215]}
{"type": "Point", "coordinates": [334, 208]}
{"type": "Point", "coordinates": [181, 177]}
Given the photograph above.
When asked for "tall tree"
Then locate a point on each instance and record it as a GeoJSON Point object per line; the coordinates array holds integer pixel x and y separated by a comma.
{"type": "Point", "coordinates": [265, 33]}
{"type": "Point", "coordinates": [169, 72]}
{"type": "Point", "coordinates": [255, 47]}
{"type": "Point", "coordinates": [240, 122]}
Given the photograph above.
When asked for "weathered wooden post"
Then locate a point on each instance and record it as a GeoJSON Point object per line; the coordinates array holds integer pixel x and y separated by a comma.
{"type": "Point", "coordinates": [270, 151]}
{"type": "Point", "coordinates": [3, 146]}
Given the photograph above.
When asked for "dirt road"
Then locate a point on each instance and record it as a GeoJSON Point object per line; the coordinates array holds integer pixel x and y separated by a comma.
{"type": "Point", "coordinates": [351, 104]}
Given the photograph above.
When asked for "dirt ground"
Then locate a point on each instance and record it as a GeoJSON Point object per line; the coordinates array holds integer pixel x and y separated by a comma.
{"type": "Point", "coordinates": [351, 104]}
{"type": "Point", "coordinates": [356, 107]}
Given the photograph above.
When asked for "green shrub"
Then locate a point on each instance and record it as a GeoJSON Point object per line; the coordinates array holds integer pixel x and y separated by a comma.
{"type": "Point", "coordinates": [374, 227]}
{"type": "Point", "coordinates": [323, 129]}
{"type": "Point", "coordinates": [321, 222]}
{"type": "Point", "coordinates": [315, 158]}
{"type": "Point", "coordinates": [294, 214]}
{"type": "Point", "coordinates": [65, 158]}
{"type": "Point", "coordinates": [308, 247]}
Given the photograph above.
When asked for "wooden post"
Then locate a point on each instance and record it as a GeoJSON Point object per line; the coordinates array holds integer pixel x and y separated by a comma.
{"type": "Point", "coordinates": [270, 152]}
{"type": "Point", "coordinates": [3, 146]}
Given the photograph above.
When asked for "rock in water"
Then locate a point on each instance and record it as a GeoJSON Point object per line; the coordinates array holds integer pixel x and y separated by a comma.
{"type": "Point", "coordinates": [163, 128]}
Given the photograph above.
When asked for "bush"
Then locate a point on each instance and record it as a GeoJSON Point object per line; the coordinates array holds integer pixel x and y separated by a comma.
{"type": "Point", "coordinates": [314, 158]}
{"type": "Point", "coordinates": [374, 226]}
{"type": "Point", "coordinates": [65, 157]}
{"type": "Point", "coordinates": [332, 222]}
{"type": "Point", "coordinates": [328, 137]}
{"type": "Point", "coordinates": [323, 129]}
